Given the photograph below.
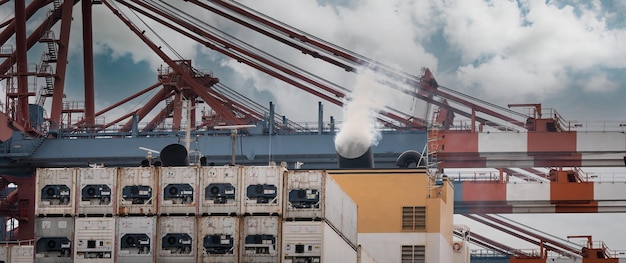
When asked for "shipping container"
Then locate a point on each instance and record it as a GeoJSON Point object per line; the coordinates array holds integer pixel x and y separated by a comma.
{"type": "Point", "coordinates": [315, 241]}
{"type": "Point", "coordinates": [262, 188]}
{"type": "Point", "coordinates": [54, 239]}
{"type": "Point", "coordinates": [5, 254]}
{"type": "Point", "coordinates": [315, 195]}
{"type": "Point", "coordinates": [55, 193]}
{"type": "Point", "coordinates": [177, 239]}
{"type": "Point", "coordinates": [220, 190]}
{"type": "Point", "coordinates": [218, 239]}
{"type": "Point", "coordinates": [137, 191]}
{"type": "Point", "coordinates": [96, 191]}
{"type": "Point", "coordinates": [22, 254]}
{"type": "Point", "coordinates": [260, 239]}
{"type": "Point", "coordinates": [94, 240]}
{"type": "Point", "coordinates": [136, 239]}
{"type": "Point", "coordinates": [178, 194]}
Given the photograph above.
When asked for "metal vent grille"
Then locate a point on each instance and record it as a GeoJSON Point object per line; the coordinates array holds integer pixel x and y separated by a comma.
{"type": "Point", "coordinates": [413, 254]}
{"type": "Point", "coordinates": [414, 218]}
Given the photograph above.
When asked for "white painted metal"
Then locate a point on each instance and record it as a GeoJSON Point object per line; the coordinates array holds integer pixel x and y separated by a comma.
{"type": "Point", "coordinates": [315, 242]}
{"type": "Point", "coordinates": [609, 191]}
{"type": "Point", "coordinates": [262, 190]}
{"type": "Point", "coordinates": [600, 141]}
{"type": "Point", "coordinates": [94, 240]}
{"type": "Point", "coordinates": [364, 257]}
{"type": "Point", "coordinates": [55, 191]}
{"type": "Point", "coordinates": [218, 239]}
{"type": "Point", "coordinates": [54, 239]}
{"type": "Point", "coordinates": [305, 195]}
{"type": "Point", "coordinates": [220, 191]}
{"type": "Point", "coordinates": [136, 239]}
{"type": "Point", "coordinates": [341, 211]}
{"type": "Point", "coordinates": [261, 239]}
{"type": "Point", "coordinates": [315, 195]}
{"type": "Point", "coordinates": [5, 254]}
{"type": "Point", "coordinates": [502, 142]}
{"type": "Point", "coordinates": [22, 254]}
{"type": "Point", "coordinates": [96, 191]}
{"type": "Point", "coordinates": [532, 191]}
{"type": "Point", "coordinates": [178, 191]}
{"type": "Point", "coordinates": [137, 191]}
{"type": "Point", "coordinates": [177, 239]}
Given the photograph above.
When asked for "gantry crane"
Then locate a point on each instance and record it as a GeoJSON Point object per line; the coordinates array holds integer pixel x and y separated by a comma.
{"type": "Point", "coordinates": [493, 136]}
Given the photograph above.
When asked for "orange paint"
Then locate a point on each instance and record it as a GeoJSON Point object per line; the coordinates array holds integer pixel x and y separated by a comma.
{"type": "Point", "coordinates": [484, 191]}
{"type": "Point", "coordinates": [590, 207]}
{"type": "Point", "coordinates": [571, 192]}
{"type": "Point", "coordinates": [553, 142]}
{"type": "Point", "coordinates": [457, 142]}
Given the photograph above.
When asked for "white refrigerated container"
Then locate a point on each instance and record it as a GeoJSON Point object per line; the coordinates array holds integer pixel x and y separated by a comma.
{"type": "Point", "coordinates": [178, 193]}
{"type": "Point", "coordinates": [96, 191]}
{"type": "Point", "coordinates": [22, 254]}
{"type": "Point", "coordinates": [177, 239]}
{"type": "Point", "coordinates": [315, 195]}
{"type": "Point", "coordinates": [315, 241]}
{"type": "Point", "coordinates": [136, 239]}
{"type": "Point", "coordinates": [5, 252]}
{"type": "Point", "coordinates": [260, 239]}
{"type": "Point", "coordinates": [94, 239]}
{"type": "Point", "coordinates": [218, 239]}
{"type": "Point", "coordinates": [220, 190]}
{"type": "Point", "coordinates": [54, 239]}
{"type": "Point", "coordinates": [137, 191]}
{"type": "Point", "coordinates": [55, 191]}
{"type": "Point", "coordinates": [262, 188]}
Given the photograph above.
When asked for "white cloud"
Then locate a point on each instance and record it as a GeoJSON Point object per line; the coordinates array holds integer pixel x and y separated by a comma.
{"type": "Point", "coordinates": [529, 49]}
{"type": "Point", "coordinates": [599, 83]}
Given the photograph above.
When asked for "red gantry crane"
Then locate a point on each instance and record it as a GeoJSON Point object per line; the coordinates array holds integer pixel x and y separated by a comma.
{"type": "Point", "coordinates": [462, 132]}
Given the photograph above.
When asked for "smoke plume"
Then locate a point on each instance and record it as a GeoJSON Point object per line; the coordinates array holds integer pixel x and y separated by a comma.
{"type": "Point", "coordinates": [358, 129]}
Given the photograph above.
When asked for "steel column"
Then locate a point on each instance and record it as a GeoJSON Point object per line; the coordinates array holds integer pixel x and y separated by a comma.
{"type": "Point", "coordinates": [88, 64]}
{"type": "Point", "coordinates": [21, 115]}
{"type": "Point", "coordinates": [61, 65]}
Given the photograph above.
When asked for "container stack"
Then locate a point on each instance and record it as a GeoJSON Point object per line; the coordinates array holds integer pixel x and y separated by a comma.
{"type": "Point", "coordinates": [54, 206]}
{"type": "Point", "coordinates": [320, 220]}
{"type": "Point", "coordinates": [261, 213]}
{"type": "Point", "coordinates": [191, 214]}
{"type": "Point", "coordinates": [220, 210]}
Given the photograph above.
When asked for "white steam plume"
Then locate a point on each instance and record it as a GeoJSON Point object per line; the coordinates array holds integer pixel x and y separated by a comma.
{"type": "Point", "coordinates": [358, 129]}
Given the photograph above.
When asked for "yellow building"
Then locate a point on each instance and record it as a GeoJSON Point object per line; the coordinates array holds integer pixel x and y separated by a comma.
{"type": "Point", "coordinates": [403, 215]}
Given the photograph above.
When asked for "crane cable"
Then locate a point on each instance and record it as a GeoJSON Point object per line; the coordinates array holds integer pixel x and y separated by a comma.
{"type": "Point", "coordinates": [175, 12]}
{"type": "Point", "coordinates": [374, 62]}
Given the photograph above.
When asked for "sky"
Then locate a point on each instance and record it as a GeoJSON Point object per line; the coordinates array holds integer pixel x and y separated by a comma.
{"type": "Point", "coordinates": [565, 54]}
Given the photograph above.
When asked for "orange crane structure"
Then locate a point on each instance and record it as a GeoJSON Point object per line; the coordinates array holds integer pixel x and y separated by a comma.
{"type": "Point", "coordinates": [463, 132]}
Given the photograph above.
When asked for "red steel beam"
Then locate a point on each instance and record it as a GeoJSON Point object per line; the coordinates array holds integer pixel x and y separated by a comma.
{"type": "Point", "coordinates": [498, 224]}
{"type": "Point", "coordinates": [177, 109]}
{"type": "Point", "coordinates": [149, 106]}
{"type": "Point", "coordinates": [156, 120]}
{"type": "Point", "coordinates": [255, 56]}
{"type": "Point", "coordinates": [302, 49]}
{"type": "Point", "coordinates": [90, 118]}
{"type": "Point", "coordinates": [22, 64]}
{"type": "Point", "coordinates": [56, 109]}
{"type": "Point", "coordinates": [121, 118]}
{"type": "Point", "coordinates": [196, 87]}
{"type": "Point", "coordinates": [31, 40]}
{"type": "Point", "coordinates": [411, 80]}
{"type": "Point", "coordinates": [241, 50]}
{"type": "Point", "coordinates": [33, 7]}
